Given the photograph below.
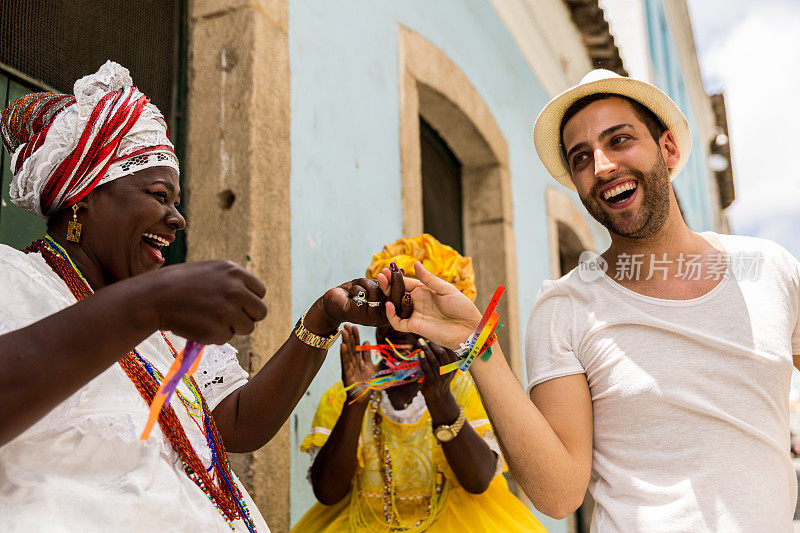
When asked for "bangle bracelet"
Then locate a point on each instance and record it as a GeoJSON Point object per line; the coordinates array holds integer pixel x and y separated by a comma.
{"type": "Point", "coordinates": [313, 340]}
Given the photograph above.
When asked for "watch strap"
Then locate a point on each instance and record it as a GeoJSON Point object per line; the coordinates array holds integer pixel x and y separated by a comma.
{"type": "Point", "coordinates": [459, 423]}
{"type": "Point", "coordinates": [312, 339]}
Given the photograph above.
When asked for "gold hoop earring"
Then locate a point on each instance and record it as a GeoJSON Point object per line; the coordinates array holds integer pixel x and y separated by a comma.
{"type": "Point", "coordinates": [74, 227]}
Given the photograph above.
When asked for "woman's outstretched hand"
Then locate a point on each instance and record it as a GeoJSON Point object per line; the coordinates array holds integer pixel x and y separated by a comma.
{"type": "Point", "coordinates": [357, 366]}
{"type": "Point", "coordinates": [440, 312]}
{"type": "Point", "coordinates": [360, 301]}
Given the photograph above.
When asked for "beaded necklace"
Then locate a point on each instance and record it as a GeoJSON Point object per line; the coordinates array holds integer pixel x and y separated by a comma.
{"type": "Point", "coordinates": [226, 496]}
{"type": "Point", "coordinates": [389, 514]}
{"type": "Point", "coordinates": [193, 408]}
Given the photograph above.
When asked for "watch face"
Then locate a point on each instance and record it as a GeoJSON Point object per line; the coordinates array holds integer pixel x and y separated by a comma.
{"type": "Point", "coordinates": [444, 434]}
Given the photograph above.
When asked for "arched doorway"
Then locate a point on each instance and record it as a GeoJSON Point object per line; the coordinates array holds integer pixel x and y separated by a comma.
{"type": "Point", "coordinates": [453, 153]}
{"type": "Point", "coordinates": [568, 233]}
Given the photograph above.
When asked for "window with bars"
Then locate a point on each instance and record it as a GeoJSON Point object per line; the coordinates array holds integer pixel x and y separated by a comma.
{"type": "Point", "coordinates": [49, 45]}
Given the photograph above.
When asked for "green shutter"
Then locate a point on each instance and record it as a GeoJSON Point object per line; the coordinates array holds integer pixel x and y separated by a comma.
{"type": "Point", "coordinates": [17, 227]}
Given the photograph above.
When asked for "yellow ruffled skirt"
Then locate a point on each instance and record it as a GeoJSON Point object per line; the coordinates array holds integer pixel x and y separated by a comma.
{"type": "Point", "coordinates": [497, 509]}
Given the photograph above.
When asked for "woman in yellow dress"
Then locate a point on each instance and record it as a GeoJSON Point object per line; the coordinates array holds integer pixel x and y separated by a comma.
{"type": "Point", "coordinates": [416, 457]}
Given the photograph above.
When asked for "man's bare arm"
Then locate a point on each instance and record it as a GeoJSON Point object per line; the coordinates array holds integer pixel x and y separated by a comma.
{"type": "Point", "coordinates": [547, 438]}
{"type": "Point", "coordinates": [547, 441]}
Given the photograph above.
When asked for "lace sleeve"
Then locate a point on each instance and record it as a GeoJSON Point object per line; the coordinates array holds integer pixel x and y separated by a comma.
{"type": "Point", "coordinates": [219, 373]}
{"type": "Point", "coordinates": [491, 441]}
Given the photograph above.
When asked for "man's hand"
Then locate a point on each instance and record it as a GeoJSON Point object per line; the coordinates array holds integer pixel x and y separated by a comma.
{"type": "Point", "coordinates": [439, 311]}
{"type": "Point", "coordinates": [357, 366]}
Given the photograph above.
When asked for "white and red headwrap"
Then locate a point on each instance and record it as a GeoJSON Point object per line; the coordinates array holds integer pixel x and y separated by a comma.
{"type": "Point", "coordinates": [62, 146]}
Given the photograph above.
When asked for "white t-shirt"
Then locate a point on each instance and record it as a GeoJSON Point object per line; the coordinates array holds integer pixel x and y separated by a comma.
{"type": "Point", "coordinates": [690, 397]}
{"type": "Point", "coordinates": [82, 467]}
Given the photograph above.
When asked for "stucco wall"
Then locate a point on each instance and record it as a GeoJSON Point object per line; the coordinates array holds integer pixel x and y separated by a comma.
{"type": "Point", "coordinates": [237, 181]}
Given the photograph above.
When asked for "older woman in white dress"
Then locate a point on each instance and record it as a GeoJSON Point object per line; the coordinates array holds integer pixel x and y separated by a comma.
{"type": "Point", "coordinates": [89, 325]}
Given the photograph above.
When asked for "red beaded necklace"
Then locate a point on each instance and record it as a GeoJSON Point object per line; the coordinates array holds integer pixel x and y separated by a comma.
{"type": "Point", "coordinates": [225, 495]}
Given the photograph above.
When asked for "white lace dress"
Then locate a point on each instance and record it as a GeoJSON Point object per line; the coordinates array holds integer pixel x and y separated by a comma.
{"type": "Point", "coordinates": [82, 467]}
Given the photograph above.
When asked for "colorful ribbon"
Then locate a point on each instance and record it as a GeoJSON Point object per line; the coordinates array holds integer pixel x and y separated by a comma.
{"type": "Point", "coordinates": [400, 368]}
{"type": "Point", "coordinates": [483, 333]}
{"type": "Point", "coordinates": [184, 365]}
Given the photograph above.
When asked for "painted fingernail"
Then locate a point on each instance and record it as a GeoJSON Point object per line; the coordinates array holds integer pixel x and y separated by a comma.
{"type": "Point", "coordinates": [402, 271]}
{"type": "Point", "coordinates": [393, 267]}
{"type": "Point", "coordinates": [422, 342]}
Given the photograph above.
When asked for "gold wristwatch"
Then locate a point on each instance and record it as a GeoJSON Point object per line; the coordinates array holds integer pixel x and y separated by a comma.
{"type": "Point", "coordinates": [445, 433]}
{"type": "Point", "coordinates": [315, 341]}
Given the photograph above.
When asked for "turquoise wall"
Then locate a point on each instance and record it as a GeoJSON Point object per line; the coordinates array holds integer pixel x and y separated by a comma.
{"type": "Point", "coordinates": [691, 185]}
{"type": "Point", "coordinates": [345, 189]}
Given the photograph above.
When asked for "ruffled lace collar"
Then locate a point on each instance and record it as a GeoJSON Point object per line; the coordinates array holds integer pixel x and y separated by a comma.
{"type": "Point", "coordinates": [410, 415]}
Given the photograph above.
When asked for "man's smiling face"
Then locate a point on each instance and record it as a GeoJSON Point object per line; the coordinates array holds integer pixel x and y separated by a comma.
{"type": "Point", "coordinates": [618, 168]}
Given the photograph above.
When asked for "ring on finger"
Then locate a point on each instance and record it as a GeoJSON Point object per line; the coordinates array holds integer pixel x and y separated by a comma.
{"type": "Point", "coordinates": [374, 304]}
{"type": "Point", "coordinates": [360, 298]}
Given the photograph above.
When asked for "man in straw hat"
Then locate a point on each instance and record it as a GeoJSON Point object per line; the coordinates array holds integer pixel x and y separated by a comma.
{"type": "Point", "coordinates": [645, 361]}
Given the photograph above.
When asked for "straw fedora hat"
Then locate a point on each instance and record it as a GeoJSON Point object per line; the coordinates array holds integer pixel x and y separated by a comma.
{"type": "Point", "coordinates": [547, 134]}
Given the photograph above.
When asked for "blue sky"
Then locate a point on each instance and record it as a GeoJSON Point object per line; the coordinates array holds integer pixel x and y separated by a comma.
{"type": "Point", "coordinates": [751, 50]}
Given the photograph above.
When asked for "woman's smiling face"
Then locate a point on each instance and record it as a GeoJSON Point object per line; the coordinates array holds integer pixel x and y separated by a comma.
{"type": "Point", "coordinates": [128, 221]}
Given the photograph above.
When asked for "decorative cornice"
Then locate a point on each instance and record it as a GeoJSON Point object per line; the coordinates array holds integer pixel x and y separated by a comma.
{"type": "Point", "coordinates": [727, 193]}
{"type": "Point", "coordinates": [588, 16]}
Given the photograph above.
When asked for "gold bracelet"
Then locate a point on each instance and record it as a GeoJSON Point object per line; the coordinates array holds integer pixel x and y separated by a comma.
{"type": "Point", "coordinates": [313, 340]}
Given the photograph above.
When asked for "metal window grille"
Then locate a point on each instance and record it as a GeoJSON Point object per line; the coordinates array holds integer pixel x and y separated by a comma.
{"type": "Point", "coordinates": [48, 44]}
{"type": "Point", "coordinates": [59, 41]}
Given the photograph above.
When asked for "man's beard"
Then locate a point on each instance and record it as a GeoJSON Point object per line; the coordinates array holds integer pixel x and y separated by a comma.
{"type": "Point", "coordinates": [653, 185]}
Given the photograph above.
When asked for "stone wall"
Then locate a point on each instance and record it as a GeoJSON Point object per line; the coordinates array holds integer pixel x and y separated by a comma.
{"type": "Point", "coordinates": [237, 172]}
